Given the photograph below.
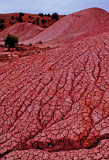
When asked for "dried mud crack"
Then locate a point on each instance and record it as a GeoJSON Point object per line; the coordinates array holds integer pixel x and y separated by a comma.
{"type": "Point", "coordinates": [56, 105]}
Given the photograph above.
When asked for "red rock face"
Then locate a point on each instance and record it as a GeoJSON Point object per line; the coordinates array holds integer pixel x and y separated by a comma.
{"type": "Point", "coordinates": [55, 105]}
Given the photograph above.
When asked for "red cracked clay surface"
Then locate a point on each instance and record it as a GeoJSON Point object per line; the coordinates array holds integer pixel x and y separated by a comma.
{"type": "Point", "coordinates": [24, 31]}
{"type": "Point", "coordinates": [57, 101]}
{"type": "Point", "coordinates": [55, 105]}
{"type": "Point", "coordinates": [72, 26]}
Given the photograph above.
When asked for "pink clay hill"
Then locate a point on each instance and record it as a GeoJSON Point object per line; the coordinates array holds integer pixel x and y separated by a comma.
{"type": "Point", "coordinates": [72, 26]}
{"type": "Point", "coordinates": [54, 105]}
{"type": "Point", "coordinates": [23, 30]}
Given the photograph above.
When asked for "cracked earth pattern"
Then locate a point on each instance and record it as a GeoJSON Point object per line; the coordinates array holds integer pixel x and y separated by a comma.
{"type": "Point", "coordinates": [56, 105]}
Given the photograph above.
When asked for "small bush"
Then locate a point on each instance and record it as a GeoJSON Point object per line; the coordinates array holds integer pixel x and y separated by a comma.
{"type": "Point", "coordinates": [30, 44]}
{"type": "Point", "coordinates": [21, 14]}
{"type": "Point", "coordinates": [55, 16]}
{"type": "Point", "coordinates": [37, 23]}
{"type": "Point", "coordinates": [2, 26]}
{"type": "Point", "coordinates": [40, 42]}
{"type": "Point", "coordinates": [37, 19]}
{"type": "Point", "coordinates": [12, 23]}
{"type": "Point", "coordinates": [30, 16]}
{"type": "Point", "coordinates": [48, 15]}
{"type": "Point", "coordinates": [33, 22]}
{"type": "Point", "coordinates": [43, 21]}
{"type": "Point", "coordinates": [12, 17]}
{"type": "Point", "coordinates": [19, 19]}
{"type": "Point", "coordinates": [11, 40]}
{"type": "Point", "coordinates": [2, 20]}
{"type": "Point", "coordinates": [41, 14]}
{"type": "Point", "coordinates": [1, 45]}
{"type": "Point", "coordinates": [17, 49]}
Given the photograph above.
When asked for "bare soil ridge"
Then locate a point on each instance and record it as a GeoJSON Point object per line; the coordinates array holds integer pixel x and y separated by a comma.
{"type": "Point", "coordinates": [73, 25]}
{"type": "Point", "coordinates": [24, 31]}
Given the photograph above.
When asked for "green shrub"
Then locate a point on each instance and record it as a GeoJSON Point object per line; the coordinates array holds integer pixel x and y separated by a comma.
{"type": "Point", "coordinates": [12, 17]}
{"type": "Point", "coordinates": [2, 20]}
{"type": "Point", "coordinates": [10, 40]}
{"type": "Point", "coordinates": [21, 14]}
{"type": "Point", "coordinates": [34, 22]}
{"type": "Point", "coordinates": [41, 14]}
{"type": "Point", "coordinates": [19, 19]}
{"type": "Point", "coordinates": [30, 44]}
{"type": "Point", "coordinates": [40, 42]}
{"type": "Point", "coordinates": [2, 26]}
{"type": "Point", "coordinates": [55, 16]}
{"type": "Point", "coordinates": [37, 23]}
{"type": "Point", "coordinates": [12, 23]}
{"type": "Point", "coordinates": [48, 15]}
{"type": "Point", "coordinates": [37, 19]}
{"type": "Point", "coordinates": [30, 16]}
{"type": "Point", "coordinates": [43, 21]}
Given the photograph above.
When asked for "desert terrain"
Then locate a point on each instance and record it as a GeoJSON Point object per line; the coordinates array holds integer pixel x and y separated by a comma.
{"type": "Point", "coordinates": [41, 20]}
{"type": "Point", "coordinates": [54, 89]}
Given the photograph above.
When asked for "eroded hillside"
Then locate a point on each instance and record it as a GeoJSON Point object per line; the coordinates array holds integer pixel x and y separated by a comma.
{"type": "Point", "coordinates": [55, 105]}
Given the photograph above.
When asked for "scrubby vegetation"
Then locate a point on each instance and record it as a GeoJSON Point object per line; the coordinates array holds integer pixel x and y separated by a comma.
{"type": "Point", "coordinates": [41, 19]}
{"type": "Point", "coordinates": [55, 16]}
{"type": "Point", "coordinates": [12, 17]}
{"type": "Point", "coordinates": [2, 20]}
{"type": "Point", "coordinates": [41, 14]}
{"type": "Point", "coordinates": [1, 24]}
{"type": "Point", "coordinates": [19, 19]}
{"type": "Point", "coordinates": [10, 40]}
{"type": "Point", "coordinates": [34, 22]}
{"type": "Point", "coordinates": [29, 16]}
{"type": "Point", "coordinates": [40, 42]}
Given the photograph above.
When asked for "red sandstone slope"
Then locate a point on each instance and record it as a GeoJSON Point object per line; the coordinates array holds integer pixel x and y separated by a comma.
{"type": "Point", "coordinates": [73, 25]}
{"type": "Point", "coordinates": [55, 105]}
{"type": "Point", "coordinates": [24, 31]}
